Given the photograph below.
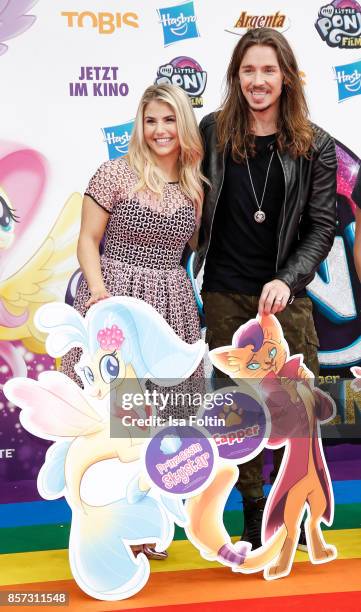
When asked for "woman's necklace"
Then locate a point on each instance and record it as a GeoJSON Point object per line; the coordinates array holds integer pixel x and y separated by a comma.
{"type": "Point", "coordinates": [259, 216]}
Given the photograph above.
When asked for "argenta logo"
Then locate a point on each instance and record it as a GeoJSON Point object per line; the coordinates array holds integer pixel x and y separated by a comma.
{"type": "Point", "coordinates": [348, 79]}
{"type": "Point", "coordinates": [13, 20]}
{"type": "Point", "coordinates": [246, 21]}
{"type": "Point", "coordinates": [187, 74]}
{"type": "Point", "coordinates": [117, 138]}
{"type": "Point", "coordinates": [178, 22]}
{"type": "Point", "coordinates": [339, 24]}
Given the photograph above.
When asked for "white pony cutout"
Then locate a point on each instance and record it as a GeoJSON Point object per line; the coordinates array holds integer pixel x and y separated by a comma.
{"type": "Point", "coordinates": [123, 339]}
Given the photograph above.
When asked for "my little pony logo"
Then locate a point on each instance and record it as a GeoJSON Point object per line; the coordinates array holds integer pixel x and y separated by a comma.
{"type": "Point", "coordinates": [339, 24]}
{"type": "Point", "coordinates": [13, 20]}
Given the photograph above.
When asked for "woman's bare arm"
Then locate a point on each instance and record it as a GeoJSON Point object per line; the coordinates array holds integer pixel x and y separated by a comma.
{"type": "Point", "coordinates": [193, 241]}
{"type": "Point", "coordinates": [94, 220]}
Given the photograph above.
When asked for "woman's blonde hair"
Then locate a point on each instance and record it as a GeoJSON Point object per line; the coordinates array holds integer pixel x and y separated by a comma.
{"type": "Point", "coordinates": [140, 156]}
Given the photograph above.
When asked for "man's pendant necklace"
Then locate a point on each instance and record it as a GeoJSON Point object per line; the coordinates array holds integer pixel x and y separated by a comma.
{"type": "Point", "coordinates": [259, 216]}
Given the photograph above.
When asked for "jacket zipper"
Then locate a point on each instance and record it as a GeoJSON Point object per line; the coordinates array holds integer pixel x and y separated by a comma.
{"type": "Point", "coordinates": [215, 206]}
{"type": "Point", "coordinates": [284, 211]}
{"type": "Point", "coordinates": [292, 297]}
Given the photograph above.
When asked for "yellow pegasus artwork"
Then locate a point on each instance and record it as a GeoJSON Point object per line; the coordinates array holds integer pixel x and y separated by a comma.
{"type": "Point", "coordinates": [44, 275]}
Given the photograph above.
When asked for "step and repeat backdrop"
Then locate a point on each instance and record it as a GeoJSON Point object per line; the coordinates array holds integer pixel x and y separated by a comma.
{"type": "Point", "coordinates": [72, 73]}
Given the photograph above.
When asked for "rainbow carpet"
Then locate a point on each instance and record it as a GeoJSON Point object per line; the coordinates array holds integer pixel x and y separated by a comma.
{"type": "Point", "coordinates": [33, 546]}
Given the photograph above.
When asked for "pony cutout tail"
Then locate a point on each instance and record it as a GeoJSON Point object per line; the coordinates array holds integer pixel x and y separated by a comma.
{"type": "Point", "coordinates": [51, 478]}
{"type": "Point", "coordinates": [176, 508]}
{"type": "Point", "coordinates": [101, 560]}
{"type": "Point", "coordinates": [173, 506]}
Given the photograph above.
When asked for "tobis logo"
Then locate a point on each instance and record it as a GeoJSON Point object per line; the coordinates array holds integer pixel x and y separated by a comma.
{"type": "Point", "coordinates": [106, 23]}
{"type": "Point", "coordinates": [187, 74]}
{"type": "Point", "coordinates": [339, 24]}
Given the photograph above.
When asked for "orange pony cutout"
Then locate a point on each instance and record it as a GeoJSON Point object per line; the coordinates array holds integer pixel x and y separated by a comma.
{"type": "Point", "coordinates": [260, 354]}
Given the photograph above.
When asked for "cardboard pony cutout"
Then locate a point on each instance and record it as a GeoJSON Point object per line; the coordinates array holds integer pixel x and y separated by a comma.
{"type": "Point", "coordinates": [259, 354]}
{"type": "Point", "coordinates": [122, 339]}
{"type": "Point", "coordinates": [117, 337]}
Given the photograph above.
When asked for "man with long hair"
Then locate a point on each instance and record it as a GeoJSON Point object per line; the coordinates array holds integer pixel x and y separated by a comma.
{"type": "Point", "coordinates": [269, 216]}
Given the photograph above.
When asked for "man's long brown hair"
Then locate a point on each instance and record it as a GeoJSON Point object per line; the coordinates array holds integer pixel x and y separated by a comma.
{"type": "Point", "coordinates": [294, 131]}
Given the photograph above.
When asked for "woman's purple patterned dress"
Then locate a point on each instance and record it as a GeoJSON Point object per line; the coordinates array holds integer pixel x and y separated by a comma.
{"type": "Point", "coordinates": [144, 241]}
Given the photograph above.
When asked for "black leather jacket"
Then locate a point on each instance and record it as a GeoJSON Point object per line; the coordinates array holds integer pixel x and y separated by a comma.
{"type": "Point", "coordinates": [307, 221]}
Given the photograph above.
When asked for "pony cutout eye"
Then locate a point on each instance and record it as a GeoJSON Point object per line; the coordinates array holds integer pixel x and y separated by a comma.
{"type": "Point", "coordinates": [109, 368]}
{"type": "Point", "coordinates": [7, 223]}
{"type": "Point", "coordinates": [253, 366]}
{"type": "Point", "coordinates": [273, 352]}
{"type": "Point", "coordinates": [89, 376]}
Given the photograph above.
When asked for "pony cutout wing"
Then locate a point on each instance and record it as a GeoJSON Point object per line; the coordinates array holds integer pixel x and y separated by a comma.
{"type": "Point", "coordinates": [43, 278]}
{"type": "Point", "coordinates": [53, 407]}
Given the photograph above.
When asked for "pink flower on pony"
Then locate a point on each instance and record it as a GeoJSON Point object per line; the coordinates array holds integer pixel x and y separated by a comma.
{"type": "Point", "coordinates": [110, 338]}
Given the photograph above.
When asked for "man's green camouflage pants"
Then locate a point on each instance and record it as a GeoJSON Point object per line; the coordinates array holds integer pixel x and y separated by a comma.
{"type": "Point", "coordinates": [225, 313]}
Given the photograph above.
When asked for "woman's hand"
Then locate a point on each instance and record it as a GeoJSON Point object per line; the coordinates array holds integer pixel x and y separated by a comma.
{"type": "Point", "coordinates": [97, 296]}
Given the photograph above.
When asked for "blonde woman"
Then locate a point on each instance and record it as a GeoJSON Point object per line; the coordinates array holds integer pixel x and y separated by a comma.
{"type": "Point", "coordinates": [146, 205]}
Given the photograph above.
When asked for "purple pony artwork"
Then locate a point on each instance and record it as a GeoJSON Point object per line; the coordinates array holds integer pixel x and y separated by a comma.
{"type": "Point", "coordinates": [13, 20]}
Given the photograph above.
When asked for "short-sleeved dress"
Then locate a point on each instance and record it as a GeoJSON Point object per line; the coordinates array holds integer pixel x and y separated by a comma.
{"type": "Point", "coordinates": [143, 244]}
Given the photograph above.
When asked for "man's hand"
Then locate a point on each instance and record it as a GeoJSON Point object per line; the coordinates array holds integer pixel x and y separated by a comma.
{"type": "Point", "coordinates": [274, 297]}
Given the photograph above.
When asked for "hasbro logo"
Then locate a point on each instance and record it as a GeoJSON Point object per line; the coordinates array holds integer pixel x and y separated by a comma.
{"type": "Point", "coordinates": [348, 79]}
{"type": "Point", "coordinates": [117, 138]}
{"type": "Point", "coordinates": [178, 22]}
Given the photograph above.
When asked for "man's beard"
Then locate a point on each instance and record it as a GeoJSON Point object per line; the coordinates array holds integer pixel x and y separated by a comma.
{"type": "Point", "coordinates": [259, 110]}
